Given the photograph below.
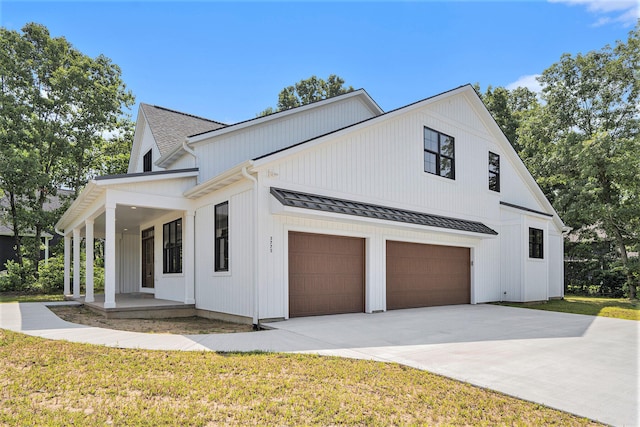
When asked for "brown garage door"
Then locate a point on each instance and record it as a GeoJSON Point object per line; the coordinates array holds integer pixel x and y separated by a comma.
{"type": "Point", "coordinates": [427, 275]}
{"type": "Point", "coordinates": [326, 274]}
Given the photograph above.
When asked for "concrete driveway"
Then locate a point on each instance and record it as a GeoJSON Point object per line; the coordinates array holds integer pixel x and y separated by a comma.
{"type": "Point", "coordinates": [580, 364]}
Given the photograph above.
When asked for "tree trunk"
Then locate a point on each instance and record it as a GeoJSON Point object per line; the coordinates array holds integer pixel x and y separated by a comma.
{"type": "Point", "coordinates": [625, 262]}
{"type": "Point", "coordinates": [16, 227]}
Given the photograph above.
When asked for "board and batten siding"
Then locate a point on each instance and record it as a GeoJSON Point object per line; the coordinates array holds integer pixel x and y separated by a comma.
{"type": "Point", "coordinates": [218, 154]}
{"type": "Point", "coordinates": [556, 264]}
{"type": "Point", "coordinates": [383, 164]}
{"type": "Point", "coordinates": [225, 292]}
{"type": "Point", "coordinates": [128, 275]}
{"type": "Point", "coordinates": [273, 254]}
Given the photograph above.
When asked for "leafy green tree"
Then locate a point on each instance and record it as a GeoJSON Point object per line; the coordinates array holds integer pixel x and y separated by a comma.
{"type": "Point", "coordinates": [55, 106]}
{"type": "Point", "coordinates": [592, 118]}
{"type": "Point", "coordinates": [510, 109]}
{"type": "Point", "coordinates": [307, 91]}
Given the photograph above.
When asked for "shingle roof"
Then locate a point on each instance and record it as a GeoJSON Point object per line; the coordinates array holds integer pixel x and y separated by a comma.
{"type": "Point", "coordinates": [171, 127]}
{"type": "Point", "coordinates": [349, 207]}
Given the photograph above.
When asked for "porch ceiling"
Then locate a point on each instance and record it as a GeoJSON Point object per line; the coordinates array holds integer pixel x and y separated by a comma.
{"type": "Point", "coordinates": [128, 219]}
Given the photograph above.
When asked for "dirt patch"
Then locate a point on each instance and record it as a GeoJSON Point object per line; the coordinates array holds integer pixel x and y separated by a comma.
{"type": "Point", "coordinates": [178, 325]}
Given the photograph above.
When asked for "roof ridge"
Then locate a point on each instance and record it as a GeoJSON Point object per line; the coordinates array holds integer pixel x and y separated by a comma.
{"type": "Point", "coordinates": [184, 114]}
{"type": "Point", "coordinates": [294, 108]}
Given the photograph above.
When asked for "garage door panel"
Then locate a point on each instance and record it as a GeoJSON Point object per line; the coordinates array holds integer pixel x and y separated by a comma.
{"type": "Point", "coordinates": [326, 274]}
{"type": "Point", "coordinates": [421, 275]}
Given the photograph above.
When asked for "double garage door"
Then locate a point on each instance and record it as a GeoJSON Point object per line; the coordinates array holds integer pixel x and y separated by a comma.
{"type": "Point", "coordinates": [327, 275]}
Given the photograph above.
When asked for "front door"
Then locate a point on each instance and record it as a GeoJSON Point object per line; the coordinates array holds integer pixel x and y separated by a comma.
{"type": "Point", "coordinates": [147, 258]}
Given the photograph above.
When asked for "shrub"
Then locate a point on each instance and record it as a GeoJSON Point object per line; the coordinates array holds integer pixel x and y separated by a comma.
{"type": "Point", "coordinates": [17, 277]}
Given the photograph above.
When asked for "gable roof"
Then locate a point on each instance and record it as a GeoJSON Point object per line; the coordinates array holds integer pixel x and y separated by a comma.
{"type": "Point", "coordinates": [359, 94]}
{"type": "Point", "coordinates": [170, 127]}
{"type": "Point", "coordinates": [476, 102]}
{"type": "Point", "coordinates": [349, 207]}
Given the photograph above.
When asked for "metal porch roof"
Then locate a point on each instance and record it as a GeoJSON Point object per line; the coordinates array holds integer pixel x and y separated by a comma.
{"type": "Point", "coordinates": [349, 207]}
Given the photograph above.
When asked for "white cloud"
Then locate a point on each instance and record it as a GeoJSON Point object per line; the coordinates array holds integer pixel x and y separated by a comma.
{"type": "Point", "coordinates": [625, 12]}
{"type": "Point", "coordinates": [529, 82]}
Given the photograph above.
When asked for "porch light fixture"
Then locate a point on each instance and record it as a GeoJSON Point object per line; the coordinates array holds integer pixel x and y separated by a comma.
{"type": "Point", "coordinates": [133, 207]}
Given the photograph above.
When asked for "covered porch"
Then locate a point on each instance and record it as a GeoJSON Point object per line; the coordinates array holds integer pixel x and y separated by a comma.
{"type": "Point", "coordinates": [128, 212]}
{"type": "Point", "coordinates": [138, 306]}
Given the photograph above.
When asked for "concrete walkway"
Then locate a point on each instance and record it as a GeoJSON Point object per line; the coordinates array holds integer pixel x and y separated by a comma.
{"type": "Point", "coordinates": [580, 364]}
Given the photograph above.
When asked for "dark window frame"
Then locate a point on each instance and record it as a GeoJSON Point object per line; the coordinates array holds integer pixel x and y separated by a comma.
{"type": "Point", "coordinates": [494, 172]}
{"type": "Point", "coordinates": [439, 154]}
{"type": "Point", "coordinates": [172, 247]}
{"type": "Point", "coordinates": [221, 237]}
{"type": "Point", "coordinates": [147, 165]}
{"type": "Point", "coordinates": [536, 243]}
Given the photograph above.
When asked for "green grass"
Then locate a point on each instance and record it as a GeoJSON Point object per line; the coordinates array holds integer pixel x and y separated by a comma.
{"type": "Point", "coordinates": [618, 308]}
{"type": "Point", "coordinates": [45, 382]}
{"type": "Point", "coordinates": [17, 297]}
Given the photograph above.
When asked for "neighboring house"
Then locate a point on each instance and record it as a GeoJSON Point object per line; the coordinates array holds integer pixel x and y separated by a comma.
{"type": "Point", "coordinates": [7, 239]}
{"type": "Point", "coordinates": [331, 207]}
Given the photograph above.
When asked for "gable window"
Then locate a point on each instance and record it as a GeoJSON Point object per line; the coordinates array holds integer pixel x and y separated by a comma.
{"type": "Point", "coordinates": [439, 156]}
{"type": "Point", "coordinates": [222, 237]}
{"type": "Point", "coordinates": [536, 241]}
{"type": "Point", "coordinates": [494, 172]}
{"type": "Point", "coordinates": [172, 247]}
{"type": "Point", "coordinates": [146, 162]}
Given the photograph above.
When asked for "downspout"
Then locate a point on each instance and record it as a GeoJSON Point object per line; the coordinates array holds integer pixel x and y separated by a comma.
{"type": "Point", "coordinates": [255, 246]}
{"type": "Point", "coordinates": [185, 147]}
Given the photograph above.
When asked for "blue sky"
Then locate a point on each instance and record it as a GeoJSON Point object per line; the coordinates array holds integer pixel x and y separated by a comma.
{"type": "Point", "coordinates": [227, 61]}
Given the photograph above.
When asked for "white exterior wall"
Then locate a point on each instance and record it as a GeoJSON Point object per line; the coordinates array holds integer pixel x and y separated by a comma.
{"type": "Point", "coordinates": [128, 259]}
{"type": "Point", "coordinates": [273, 254]}
{"type": "Point", "coordinates": [226, 292]}
{"type": "Point", "coordinates": [556, 264]}
{"type": "Point", "coordinates": [170, 286]}
{"type": "Point", "coordinates": [147, 142]}
{"type": "Point", "coordinates": [218, 154]}
{"type": "Point", "coordinates": [383, 164]}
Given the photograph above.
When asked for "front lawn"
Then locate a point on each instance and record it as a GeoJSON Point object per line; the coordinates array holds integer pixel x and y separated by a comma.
{"type": "Point", "coordinates": [19, 297]}
{"type": "Point", "coordinates": [619, 308]}
{"type": "Point", "coordinates": [47, 382]}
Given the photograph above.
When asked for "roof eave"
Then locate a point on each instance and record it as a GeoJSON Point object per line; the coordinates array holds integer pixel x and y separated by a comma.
{"type": "Point", "coordinates": [230, 176]}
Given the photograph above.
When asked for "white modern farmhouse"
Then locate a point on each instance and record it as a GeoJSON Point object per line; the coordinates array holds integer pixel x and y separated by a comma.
{"type": "Point", "coordinates": [331, 207]}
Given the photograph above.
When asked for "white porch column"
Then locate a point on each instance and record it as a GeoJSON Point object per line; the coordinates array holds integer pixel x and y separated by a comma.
{"type": "Point", "coordinates": [188, 255]}
{"type": "Point", "coordinates": [89, 260]}
{"type": "Point", "coordinates": [110, 257]}
{"type": "Point", "coordinates": [76, 263]}
{"type": "Point", "coordinates": [67, 265]}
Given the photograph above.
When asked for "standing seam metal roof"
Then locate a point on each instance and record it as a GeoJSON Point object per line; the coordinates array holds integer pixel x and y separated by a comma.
{"type": "Point", "coordinates": [349, 207]}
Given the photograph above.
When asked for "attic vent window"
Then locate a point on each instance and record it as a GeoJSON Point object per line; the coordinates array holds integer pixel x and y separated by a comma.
{"type": "Point", "coordinates": [146, 162]}
{"type": "Point", "coordinates": [439, 154]}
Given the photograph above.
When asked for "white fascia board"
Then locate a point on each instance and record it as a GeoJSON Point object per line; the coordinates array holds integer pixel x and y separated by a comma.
{"type": "Point", "coordinates": [141, 122]}
{"type": "Point", "coordinates": [169, 158]}
{"type": "Point", "coordinates": [219, 181]}
{"type": "Point", "coordinates": [342, 218]}
{"type": "Point", "coordinates": [520, 167]}
{"type": "Point", "coordinates": [85, 198]}
{"type": "Point", "coordinates": [284, 114]}
{"type": "Point", "coordinates": [145, 178]}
